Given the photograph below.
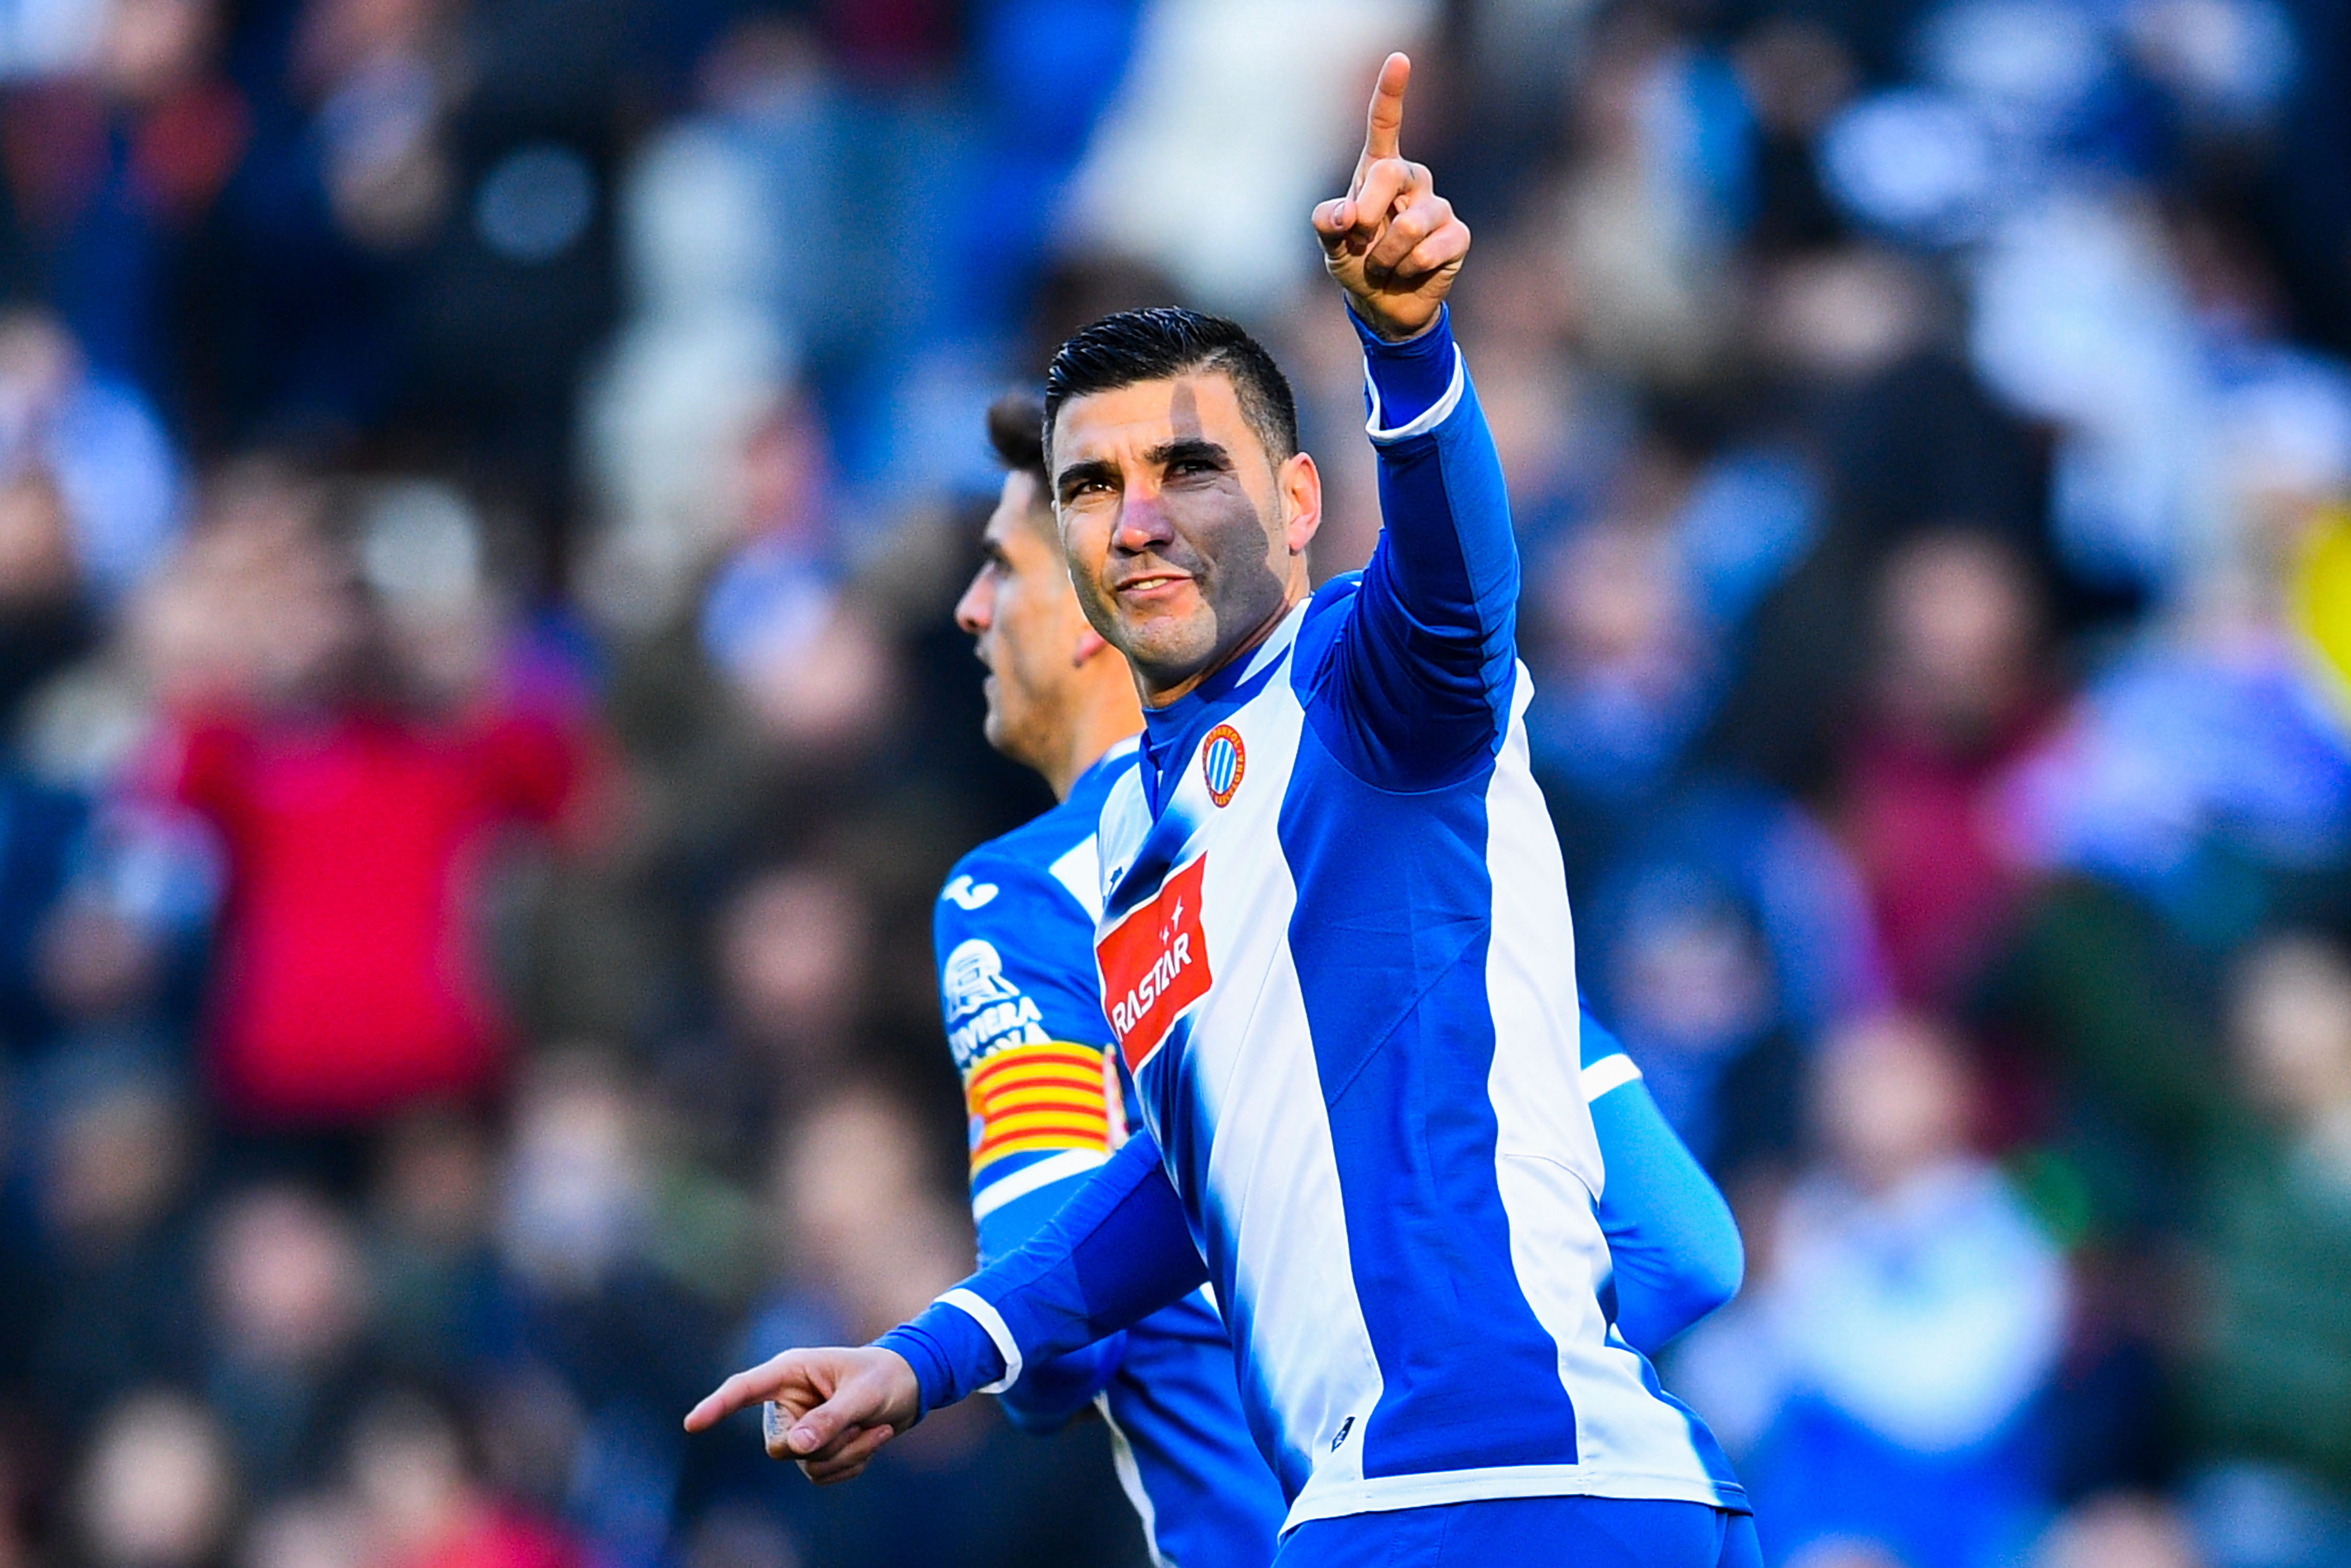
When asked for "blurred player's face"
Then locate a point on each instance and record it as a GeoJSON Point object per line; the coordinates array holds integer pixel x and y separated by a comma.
{"type": "Point", "coordinates": [1186, 540]}
{"type": "Point", "coordinates": [1027, 626]}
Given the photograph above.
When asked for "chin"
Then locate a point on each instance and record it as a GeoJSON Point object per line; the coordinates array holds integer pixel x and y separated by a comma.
{"type": "Point", "coordinates": [1169, 639]}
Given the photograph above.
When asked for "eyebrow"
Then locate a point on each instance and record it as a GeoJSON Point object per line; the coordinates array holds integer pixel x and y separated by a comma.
{"type": "Point", "coordinates": [1193, 449]}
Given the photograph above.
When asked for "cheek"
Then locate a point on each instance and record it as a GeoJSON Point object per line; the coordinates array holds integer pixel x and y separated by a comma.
{"type": "Point", "coordinates": [1085, 546]}
{"type": "Point", "coordinates": [1236, 550]}
{"type": "Point", "coordinates": [1084, 536]}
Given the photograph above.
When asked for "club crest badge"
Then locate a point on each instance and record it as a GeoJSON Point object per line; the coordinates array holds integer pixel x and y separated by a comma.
{"type": "Point", "coordinates": [1223, 761]}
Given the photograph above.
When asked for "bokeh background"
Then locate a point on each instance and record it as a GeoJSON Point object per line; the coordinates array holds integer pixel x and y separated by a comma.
{"type": "Point", "coordinates": [482, 487]}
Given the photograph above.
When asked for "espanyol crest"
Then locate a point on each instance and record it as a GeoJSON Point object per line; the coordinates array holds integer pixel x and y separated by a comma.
{"type": "Point", "coordinates": [1223, 760]}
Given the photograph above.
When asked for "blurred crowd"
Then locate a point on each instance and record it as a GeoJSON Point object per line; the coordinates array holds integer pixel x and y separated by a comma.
{"type": "Point", "coordinates": [482, 486]}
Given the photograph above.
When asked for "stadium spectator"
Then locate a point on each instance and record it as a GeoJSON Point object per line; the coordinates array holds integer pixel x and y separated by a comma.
{"type": "Point", "coordinates": [424, 1507]}
{"type": "Point", "coordinates": [1882, 1372]}
{"type": "Point", "coordinates": [286, 1290]}
{"type": "Point", "coordinates": [353, 758]}
{"type": "Point", "coordinates": [97, 447]}
{"type": "Point", "coordinates": [431, 1274]}
{"type": "Point", "coordinates": [115, 1254]}
{"type": "Point", "coordinates": [117, 169]}
{"type": "Point", "coordinates": [1727, 932]}
{"type": "Point", "coordinates": [2275, 1345]}
{"type": "Point", "coordinates": [1959, 693]}
{"type": "Point", "coordinates": [587, 1295]}
{"type": "Point", "coordinates": [2118, 1530]}
{"type": "Point", "coordinates": [158, 1487]}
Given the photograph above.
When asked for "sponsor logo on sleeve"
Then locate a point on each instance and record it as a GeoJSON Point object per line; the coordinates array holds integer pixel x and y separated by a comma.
{"type": "Point", "coordinates": [975, 977]}
{"type": "Point", "coordinates": [1154, 964]}
{"type": "Point", "coordinates": [986, 1011]}
{"type": "Point", "coordinates": [966, 894]}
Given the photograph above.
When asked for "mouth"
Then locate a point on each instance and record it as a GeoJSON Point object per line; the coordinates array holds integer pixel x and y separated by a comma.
{"type": "Point", "coordinates": [1152, 587]}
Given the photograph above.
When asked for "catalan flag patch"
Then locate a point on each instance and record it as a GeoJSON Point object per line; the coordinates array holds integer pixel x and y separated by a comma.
{"type": "Point", "coordinates": [1026, 1099]}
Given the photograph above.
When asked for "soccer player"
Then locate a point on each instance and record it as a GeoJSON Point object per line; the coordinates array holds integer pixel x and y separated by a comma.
{"type": "Point", "coordinates": [1017, 984]}
{"type": "Point", "coordinates": [1335, 953]}
{"type": "Point", "coordinates": [1014, 932]}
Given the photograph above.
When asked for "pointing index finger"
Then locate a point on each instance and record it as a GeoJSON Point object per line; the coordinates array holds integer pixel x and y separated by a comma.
{"type": "Point", "coordinates": [1386, 123]}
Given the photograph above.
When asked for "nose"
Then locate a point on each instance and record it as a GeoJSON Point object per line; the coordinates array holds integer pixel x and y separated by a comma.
{"type": "Point", "coordinates": [1143, 522]}
{"type": "Point", "coordinates": [976, 609]}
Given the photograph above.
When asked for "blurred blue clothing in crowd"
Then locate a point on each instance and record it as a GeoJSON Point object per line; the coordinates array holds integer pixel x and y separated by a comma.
{"type": "Point", "coordinates": [1885, 1377]}
{"type": "Point", "coordinates": [40, 831]}
{"type": "Point", "coordinates": [1726, 930]}
{"type": "Point", "coordinates": [2183, 760]}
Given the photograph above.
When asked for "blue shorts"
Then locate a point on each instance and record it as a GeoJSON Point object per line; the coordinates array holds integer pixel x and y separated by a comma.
{"type": "Point", "coordinates": [1569, 1531]}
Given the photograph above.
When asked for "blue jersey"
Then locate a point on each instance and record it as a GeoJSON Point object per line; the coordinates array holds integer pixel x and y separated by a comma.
{"type": "Point", "coordinates": [1336, 956]}
{"type": "Point", "coordinates": [1046, 1103]}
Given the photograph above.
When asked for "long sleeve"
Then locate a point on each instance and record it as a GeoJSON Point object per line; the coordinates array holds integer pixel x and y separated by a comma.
{"type": "Point", "coordinates": [1427, 661]}
{"type": "Point", "coordinates": [1116, 1252]}
{"type": "Point", "coordinates": [1671, 1237]}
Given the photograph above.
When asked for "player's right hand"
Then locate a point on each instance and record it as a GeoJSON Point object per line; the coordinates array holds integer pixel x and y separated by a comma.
{"type": "Point", "coordinates": [1392, 242]}
{"type": "Point", "coordinates": [829, 1409]}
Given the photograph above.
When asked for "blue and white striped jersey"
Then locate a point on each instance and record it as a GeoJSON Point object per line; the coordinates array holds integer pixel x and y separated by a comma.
{"type": "Point", "coordinates": [1337, 957]}
{"type": "Point", "coordinates": [1046, 1102]}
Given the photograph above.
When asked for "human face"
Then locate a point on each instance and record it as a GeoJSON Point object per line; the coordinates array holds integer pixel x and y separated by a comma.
{"type": "Point", "coordinates": [1025, 624]}
{"type": "Point", "coordinates": [1186, 540]}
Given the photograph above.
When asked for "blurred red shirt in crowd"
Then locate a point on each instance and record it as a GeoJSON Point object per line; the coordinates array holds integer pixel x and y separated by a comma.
{"type": "Point", "coordinates": [503, 1538]}
{"type": "Point", "coordinates": [349, 983]}
{"type": "Point", "coordinates": [1958, 695]}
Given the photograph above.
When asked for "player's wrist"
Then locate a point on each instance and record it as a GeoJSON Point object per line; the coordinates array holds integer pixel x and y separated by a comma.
{"type": "Point", "coordinates": [1426, 340]}
{"type": "Point", "coordinates": [901, 1390]}
{"type": "Point", "coordinates": [929, 1379]}
{"type": "Point", "coordinates": [1407, 382]}
{"type": "Point", "coordinates": [1388, 328]}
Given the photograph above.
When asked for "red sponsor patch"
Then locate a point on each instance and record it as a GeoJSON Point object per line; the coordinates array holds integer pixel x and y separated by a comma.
{"type": "Point", "coordinates": [1154, 964]}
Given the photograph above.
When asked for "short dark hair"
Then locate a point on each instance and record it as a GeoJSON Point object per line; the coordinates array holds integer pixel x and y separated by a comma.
{"type": "Point", "coordinates": [1166, 341]}
{"type": "Point", "coordinates": [1016, 428]}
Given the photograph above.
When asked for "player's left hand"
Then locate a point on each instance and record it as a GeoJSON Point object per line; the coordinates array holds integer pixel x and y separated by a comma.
{"type": "Point", "coordinates": [1392, 242]}
{"type": "Point", "coordinates": [829, 1409]}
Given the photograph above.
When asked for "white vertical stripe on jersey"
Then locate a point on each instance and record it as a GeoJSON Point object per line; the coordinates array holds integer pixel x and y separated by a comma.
{"type": "Point", "coordinates": [1547, 1159]}
{"type": "Point", "coordinates": [1306, 1338]}
{"type": "Point", "coordinates": [1548, 1163]}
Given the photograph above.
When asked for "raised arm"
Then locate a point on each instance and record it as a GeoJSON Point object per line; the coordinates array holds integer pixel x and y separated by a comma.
{"type": "Point", "coordinates": [1427, 662]}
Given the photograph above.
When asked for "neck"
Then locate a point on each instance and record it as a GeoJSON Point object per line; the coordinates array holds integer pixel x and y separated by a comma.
{"type": "Point", "coordinates": [1102, 725]}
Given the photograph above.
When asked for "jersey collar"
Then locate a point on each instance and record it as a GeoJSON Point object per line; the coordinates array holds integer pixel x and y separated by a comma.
{"type": "Point", "coordinates": [1170, 733]}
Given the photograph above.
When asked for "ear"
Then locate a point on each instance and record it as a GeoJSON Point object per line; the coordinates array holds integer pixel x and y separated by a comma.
{"type": "Point", "coordinates": [1090, 643]}
{"type": "Point", "coordinates": [1300, 484]}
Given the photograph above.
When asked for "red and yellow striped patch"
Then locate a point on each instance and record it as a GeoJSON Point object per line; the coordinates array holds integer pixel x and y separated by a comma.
{"type": "Point", "coordinates": [1027, 1098]}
